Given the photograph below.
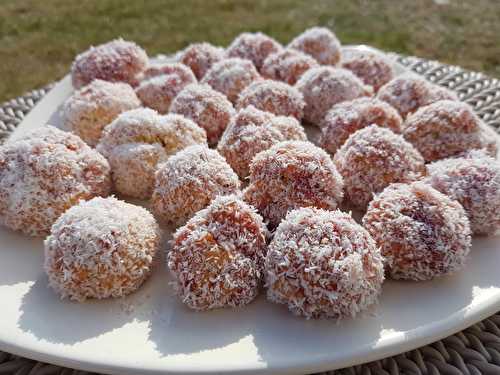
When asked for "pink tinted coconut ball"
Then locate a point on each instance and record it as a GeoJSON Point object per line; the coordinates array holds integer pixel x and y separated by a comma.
{"type": "Point", "coordinates": [101, 248]}
{"type": "Point", "coordinates": [408, 92]}
{"type": "Point", "coordinates": [322, 264]}
{"type": "Point", "coordinates": [291, 175]}
{"type": "Point", "coordinates": [254, 47]}
{"type": "Point", "coordinates": [324, 87]}
{"type": "Point", "coordinates": [137, 140]}
{"type": "Point", "coordinates": [422, 233]}
{"type": "Point", "coordinates": [274, 97]}
{"type": "Point", "coordinates": [348, 117]}
{"type": "Point", "coordinates": [320, 43]}
{"type": "Point", "coordinates": [217, 257]}
{"type": "Point", "coordinates": [474, 181]}
{"type": "Point", "coordinates": [443, 129]}
{"type": "Point", "coordinates": [200, 57]}
{"type": "Point", "coordinates": [44, 174]}
{"type": "Point", "coordinates": [208, 108]}
{"type": "Point", "coordinates": [157, 91]}
{"type": "Point", "coordinates": [253, 131]}
{"type": "Point", "coordinates": [231, 76]}
{"type": "Point", "coordinates": [373, 68]}
{"type": "Point", "coordinates": [115, 61]}
{"type": "Point", "coordinates": [94, 106]}
{"type": "Point", "coordinates": [374, 157]}
{"type": "Point", "coordinates": [287, 66]}
{"type": "Point", "coordinates": [188, 181]}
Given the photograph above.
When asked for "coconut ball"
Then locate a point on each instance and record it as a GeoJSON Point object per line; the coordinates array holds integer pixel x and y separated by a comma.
{"type": "Point", "coordinates": [373, 68]}
{"type": "Point", "coordinates": [272, 96]}
{"type": "Point", "coordinates": [287, 65]}
{"type": "Point", "coordinates": [200, 57]}
{"type": "Point", "coordinates": [348, 117]}
{"type": "Point", "coordinates": [188, 181]}
{"type": "Point", "coordinates": [291, 175]}
{"type": "Point", "coordinates": [408, 92]}
{"type": "Point", "coordinates": [422, 233]}
{"type": "Point", "coordinates": [101, 248]}
{"type": "Point", "coordinates": [115, 61]}
{"type": "Point", "coordinates": [320, 43]}
{"type": "Point", "coordinates": [231, 76]}
{"type": "Point", "coordinates": [474, 181]}
{"type": "Point", "coordinates": [322, 264]}
{"type": "Point", "coordinates": [138, 140]}
{"type": "Point", "coordinates": [374, 157]}
{"type": "Point", "coordinates": [324, 87]}
{"type": "Point", "coordinates": [44, 174]}
{"type": "Point", "coordinates": [217, 257]}
{"type": "Point", "coordinates": [94, 106]}
{"type": "Point", "coordinates": [208, 108]}
{"type": "Point", "coordinates": [252, 131]}
{"type": "Point", "coordinates": [254, 47]}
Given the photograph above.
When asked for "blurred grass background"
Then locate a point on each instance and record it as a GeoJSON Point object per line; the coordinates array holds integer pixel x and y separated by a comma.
{"type": "Point", "coordinates": [39, 39]}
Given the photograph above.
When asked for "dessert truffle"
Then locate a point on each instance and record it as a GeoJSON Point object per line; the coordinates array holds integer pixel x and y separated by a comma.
{"type": "Point", "coordinates": [320, 43]}
{"type": "Point", "coordinates": [287, 65]}
{"type": "Point", "coordinates": [373, 68]}
{"type": "Point", "coordinates": [254, 47]}
{"type": "Point", "coordinates": [200, 57]}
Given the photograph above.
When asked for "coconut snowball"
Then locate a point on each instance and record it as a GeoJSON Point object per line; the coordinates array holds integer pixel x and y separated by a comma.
{"type": "Point", "coordinates": [101, 248]}
{"type": "Point", "coordinates": [373, 68]}
{"type": "Point", "coordinates": [324, 87]}
{"type": "Point", "coordinates": [137, 140]}
{"type": "Point", "coordinates": [272, 96]}
{"type": "Point", "coordinates": [287, 66]}
{"type": "Point", "coordinates": [115, 61]}
{"type": "Point", "coordinates": [254, 47]}
{"type": "Point", "coordinates": [252, 131]}
{"type": "Point", "coordinates": [320, 43]}
{"type": "Point", "coordinates": [217, 257]}
{"type": "Point", "coordinates": [374, 157]}
{"type": "Point", "coordinates": [188, 181]}
{"type": "Point", "coordinates": [422, 233]}
{"type": "Point", "coordinates": [200, 57]}
{"type": "Point", "coordinates": [291, 175]}
{"type": "Point", "coordinates": [44, 174]}
{"type": "Point", "coordinates": [348, 117]}
{"type": "Point", "coordinates": [322, 264]}
{"type": "Point", "coordinates": [94, 106]}
{"type": "Point", "coordinates": [474, 181]}
{"type": "Point", "coordinates": [208, 108]}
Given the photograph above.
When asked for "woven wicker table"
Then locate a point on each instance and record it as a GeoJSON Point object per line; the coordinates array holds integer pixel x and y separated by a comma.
{"type": "Point", "coordinates": [473, 351]}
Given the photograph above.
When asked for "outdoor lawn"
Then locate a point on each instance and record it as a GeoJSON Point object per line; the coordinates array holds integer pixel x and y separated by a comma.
{"type": "Point", "coordinates": [39, 39]}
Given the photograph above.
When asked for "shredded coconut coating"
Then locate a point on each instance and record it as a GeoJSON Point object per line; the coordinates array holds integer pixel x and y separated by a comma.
{"type": "Point", "coordinates": [231, 76]}
{"type": "Point", "coordinates": [408, 92]}
{"type": "Point", "coordinates": [137, 140]}
{"type": "Point", "coordinates": [474, 181]}
{"type": "Point", "coordinates": [348, 117]}
{"type": "Point", "coordinates": [374, 157]}
{"type": "Point", "coordinates": [422, 233]}
{"type": "Point", "coordinates": [101, 248]}
{"type": "Point", "coordinates": [200, 57]}
{"type": "Point", "coordinates": [115, 61]}
{"type": "Point", "coordinates": [324, 87]}
{"type": "Point", "coordinates": [158, 91]}
{"type": "Point", "coordinates": [94, 106]}
{"type": "Point", "coordinates": [287, 65]}
{"type": "Point", "coordinates": [254, 47]}
{"type": "Point", "coordinates": [188, 181]}
{"type": "Point", "coordinates": [168, 68]}
{"type": "Point", "coordinates": [276, 97]}
{"type": "Point", "coordinates": [291, 175]}
{"type": "Point", "coordinates": [253, 131]}
{"type": "Point", "coordinates": [322, 264]}
{"type": "Point", "coordinates": [374, 69]}
{"type": "Point", "coordinates": [217, 257]}
{"type": "Point", "coordinates": [44, 174]}
{"type": "Point", "coordinates": [208, 108]}
{"type": "Point", "coordinates": [443, 129]}
{"type": "Point", "coordinates": [320, 43]}
{"type": "Point", "coordinates": [489, 140]}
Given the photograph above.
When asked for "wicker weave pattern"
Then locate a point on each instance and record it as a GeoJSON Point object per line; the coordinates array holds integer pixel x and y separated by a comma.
{"type": "Point", "coordinates": [473, 351]}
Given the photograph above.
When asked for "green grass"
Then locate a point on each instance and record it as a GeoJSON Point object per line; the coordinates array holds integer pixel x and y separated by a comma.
{"type": "Point", "coordinates": [39, 39]}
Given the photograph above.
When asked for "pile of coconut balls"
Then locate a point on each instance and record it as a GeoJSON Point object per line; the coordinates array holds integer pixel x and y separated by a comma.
{"type": "Point", "coordinates": [215, 140]}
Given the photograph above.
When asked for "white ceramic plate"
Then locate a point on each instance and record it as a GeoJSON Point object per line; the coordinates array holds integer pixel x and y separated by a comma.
{"type": "Point", "coordinates": [151, 332]}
